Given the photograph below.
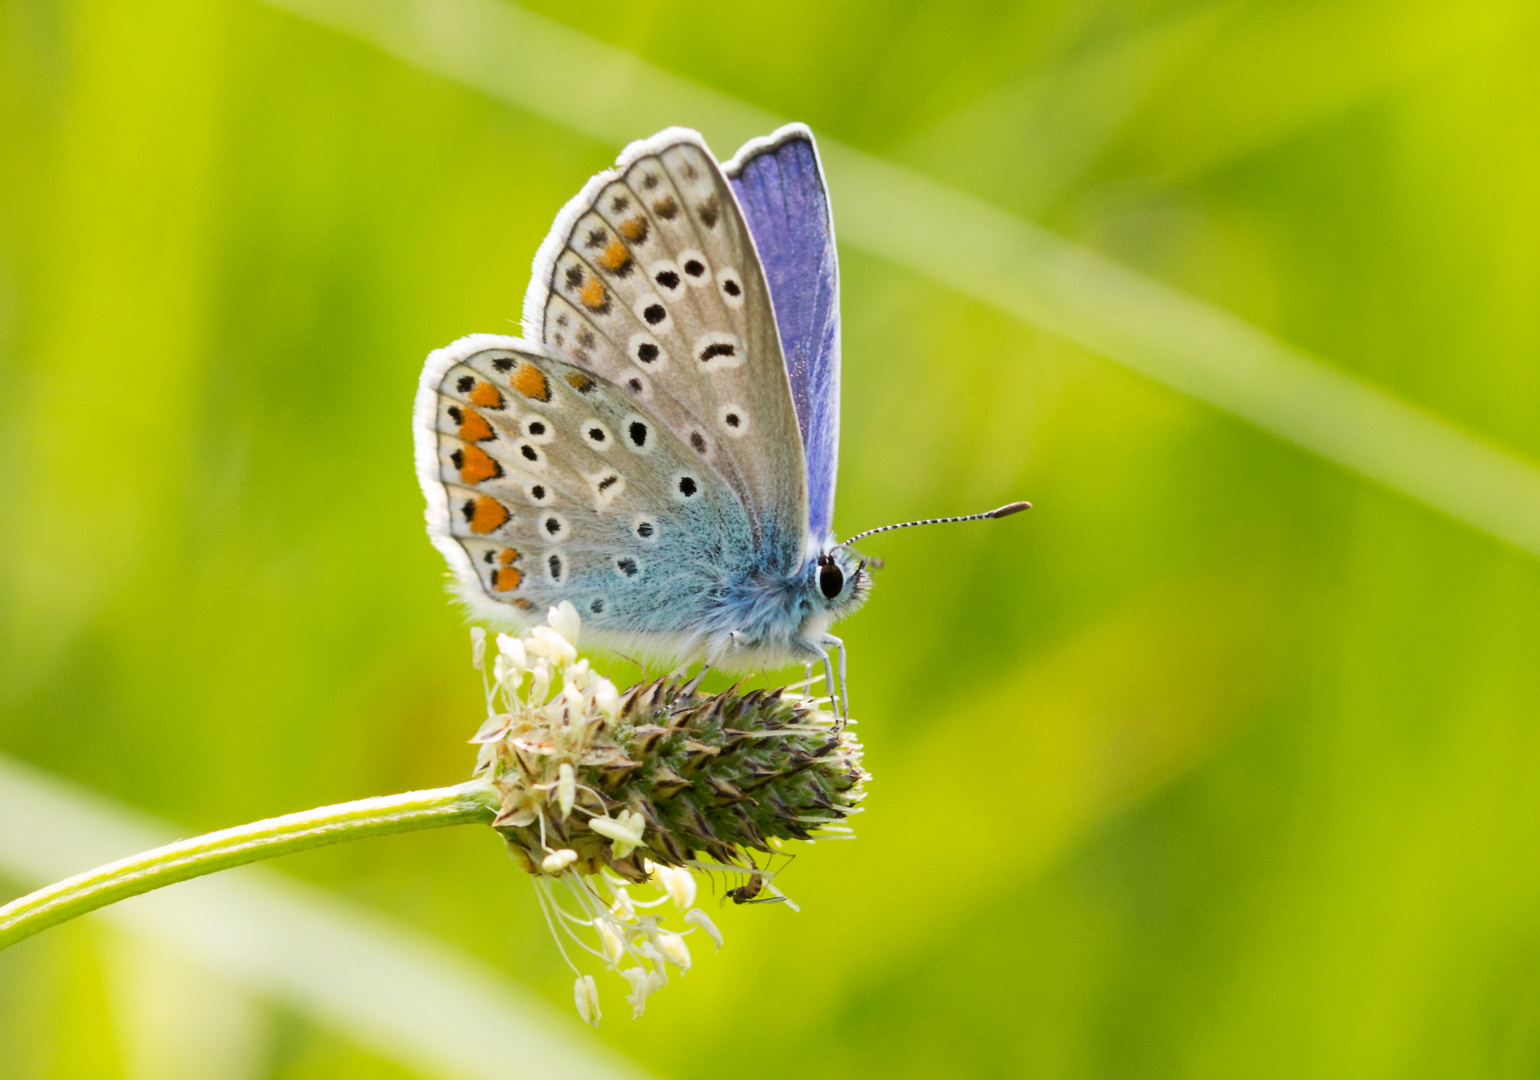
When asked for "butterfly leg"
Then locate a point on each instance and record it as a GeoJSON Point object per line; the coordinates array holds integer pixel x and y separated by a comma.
{"type": "Point", "coordinates": [844, 680]}
{"type": "Point", "coordinates": [838, 691]}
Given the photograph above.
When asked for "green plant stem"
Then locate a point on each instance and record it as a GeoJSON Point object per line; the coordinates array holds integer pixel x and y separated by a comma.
{"type": "Point", "coordinates": [463, 804]}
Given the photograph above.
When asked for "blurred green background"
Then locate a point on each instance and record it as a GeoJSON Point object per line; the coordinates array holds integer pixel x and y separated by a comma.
{"type": "Point", "coordinates": [1221, 762]}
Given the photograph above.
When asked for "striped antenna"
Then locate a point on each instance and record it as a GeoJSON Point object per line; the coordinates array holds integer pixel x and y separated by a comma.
{"type": "Point", "coordinates": [1004, 511]}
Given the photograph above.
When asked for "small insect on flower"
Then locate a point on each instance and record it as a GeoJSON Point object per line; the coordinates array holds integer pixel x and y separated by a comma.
{"type": "Point", "coordinates": [748, 892]}
{"type": "Point", "coordinates": [606, 792]}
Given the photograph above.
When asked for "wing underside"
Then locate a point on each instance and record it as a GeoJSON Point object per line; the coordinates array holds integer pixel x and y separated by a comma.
{"type": "Point", "coordinates": [650, 278]}
{"type": "Point", "coordinates": [546, 483]}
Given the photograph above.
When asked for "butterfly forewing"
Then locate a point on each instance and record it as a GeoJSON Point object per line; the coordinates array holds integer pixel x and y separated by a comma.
{"type": "Point", "coordinates": [651, 280]}
{"type": "Point", "coordinates": [780, 188]}
{"type": "Point", "coordinates": [556, 484]}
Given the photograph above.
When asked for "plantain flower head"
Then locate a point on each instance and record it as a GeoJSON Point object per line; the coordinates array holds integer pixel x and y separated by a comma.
{"type": "Point", "coordinates": [604, 792]}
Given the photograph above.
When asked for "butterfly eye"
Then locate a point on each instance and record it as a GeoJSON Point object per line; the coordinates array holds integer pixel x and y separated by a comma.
{"type": "Point", "coordinates": [831, 579]}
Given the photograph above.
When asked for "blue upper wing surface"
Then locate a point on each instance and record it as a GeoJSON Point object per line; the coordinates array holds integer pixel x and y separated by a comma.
{"type": "Point", "coordinates": [779, 183]}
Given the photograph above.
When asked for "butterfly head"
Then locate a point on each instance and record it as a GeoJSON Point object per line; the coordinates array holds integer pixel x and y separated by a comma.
{"type": "Point", "coordinates": [840, 581]}
{"type": "Point", "coordinates": [842, 577]}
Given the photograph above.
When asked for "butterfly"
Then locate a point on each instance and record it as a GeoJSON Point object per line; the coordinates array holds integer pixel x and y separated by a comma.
{"type": "Point", "coordinates": [660, 448]}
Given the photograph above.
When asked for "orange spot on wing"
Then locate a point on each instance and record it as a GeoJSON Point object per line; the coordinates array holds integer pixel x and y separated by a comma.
{"type": "Point", "coordinates": [476, 465]}
{"type": "Point", "coordinates": [635, 229]}
{"type": "Point", "coordinates": [524, 604]}
{"type": "Point", "coordinates": [580, 382]}
{"type": "Point", "coordinates": [531, 382]}
{"type": "Point", "coordinates": [487, 514]}
{"type": "Point", "coordinates": [506, 579]}
{"type": "Point", "coordinates": [508, 556]}
{"type": "Point", "coordinates": [615, 257]}
{"type": "Point", "coordinates": [593, 295]}
{"type": "Point", "coordinates": [486, 395]}
{"type": "Point", "coordinates": [474, 427]}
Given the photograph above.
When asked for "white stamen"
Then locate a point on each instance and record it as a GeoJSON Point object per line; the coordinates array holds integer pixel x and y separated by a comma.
{"type": "Point", "coordinates": [513, 649]}
{"type": "Point", "coordinates": [643, 983]}
{"type": "Point", "coordinates": [586, 996]}
{"type": "Point", "coordinates": [566, 789]}
{"type": "Point", "coordinates": [564, 619]}
{"type": "Point", "coordinates": [625, 829]}
{"type": "Point", "coordinates": [610, 941]}
{"type": "Point", "coordinates": [559, 860]}
{"type": "Point", "coordinates": [606, 698]}
{"type": "Point", "coordinates": [674, 950]}
{"type": "Point", "coordinates": [678, 883]}
{"type": "Point", "coordinates": [545, 642]}
{"type": "Point", "coordinates": [697, 917]}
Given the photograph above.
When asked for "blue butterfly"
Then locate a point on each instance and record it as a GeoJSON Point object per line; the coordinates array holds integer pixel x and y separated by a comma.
{"type": "Point", "coordinates": [660, 449]}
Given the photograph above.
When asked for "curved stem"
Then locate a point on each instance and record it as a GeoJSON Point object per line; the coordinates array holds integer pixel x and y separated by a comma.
{"type": "Point", "coordinates": [463, 804]}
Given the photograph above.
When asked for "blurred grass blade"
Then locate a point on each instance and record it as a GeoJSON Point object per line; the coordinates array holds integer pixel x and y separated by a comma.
{"type": "Point", "coordinates": [528, 61]}
{"type": "Point", "coordinates": [1209, 84]}
{"type": "Point", "coordinates": [982, 252]}
{"type": "Point", "coordinates": [1025, 143]}
{"type": "Point", "coordinates": [1278, 69]}
{"type": "Point", "coordinates": [394, 991]}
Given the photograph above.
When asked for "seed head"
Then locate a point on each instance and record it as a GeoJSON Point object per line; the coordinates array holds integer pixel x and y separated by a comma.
{"type": "Point", "coordinates": [602, 789]}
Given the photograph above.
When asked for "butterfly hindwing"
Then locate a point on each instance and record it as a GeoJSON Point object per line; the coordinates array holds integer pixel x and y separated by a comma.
{"type": "Point", "coordinates": [780, 186]}
{"type": "Point", "coordinates": [650, 279]}
{"type": "Point", "coordinates": [547, 482]}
